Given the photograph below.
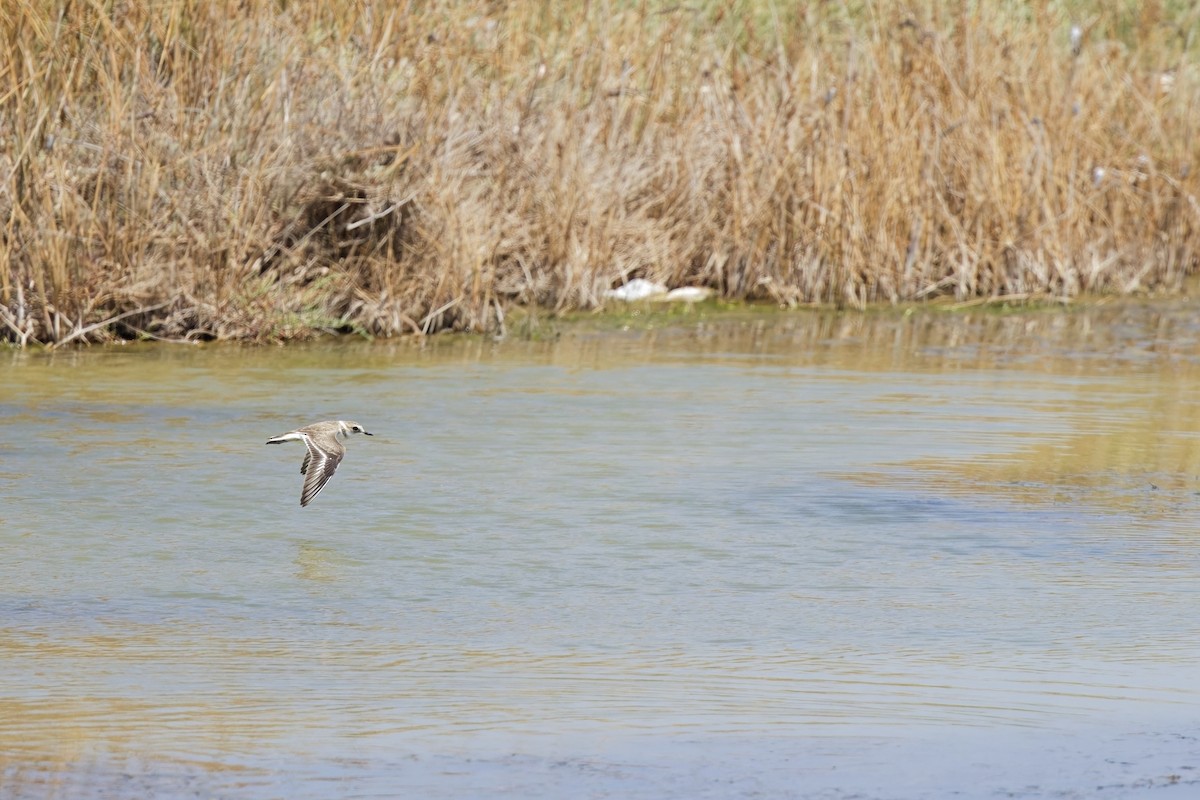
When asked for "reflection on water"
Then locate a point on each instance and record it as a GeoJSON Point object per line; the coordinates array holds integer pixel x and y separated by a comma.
{"type": "Point", "coordinates": [315, 563]}
{"type": "Point", "coordinates": [762, 543]}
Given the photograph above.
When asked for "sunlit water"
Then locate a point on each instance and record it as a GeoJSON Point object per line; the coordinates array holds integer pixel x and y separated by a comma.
{"type": "Point", "coordinates": [796, 555]}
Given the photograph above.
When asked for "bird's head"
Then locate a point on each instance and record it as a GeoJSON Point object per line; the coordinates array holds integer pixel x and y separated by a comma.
{"type": "Point", "coordinates": [346, 428]}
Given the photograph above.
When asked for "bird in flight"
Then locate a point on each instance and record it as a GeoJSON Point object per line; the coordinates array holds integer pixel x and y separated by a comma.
{"type": "Point", "coordinates": [325, 451]}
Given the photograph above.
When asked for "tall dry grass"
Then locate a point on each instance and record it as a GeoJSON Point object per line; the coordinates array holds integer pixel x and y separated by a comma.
{"type": "Point", "coordinates": [264, 170]}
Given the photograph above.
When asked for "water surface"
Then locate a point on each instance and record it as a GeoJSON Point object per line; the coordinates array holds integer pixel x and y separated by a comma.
{"type": "Point", "coordinates": [787, 555]}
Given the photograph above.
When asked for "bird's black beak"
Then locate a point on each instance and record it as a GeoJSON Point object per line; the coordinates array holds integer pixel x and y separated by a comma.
{"type": "Point", "coordinates": [368, 433]}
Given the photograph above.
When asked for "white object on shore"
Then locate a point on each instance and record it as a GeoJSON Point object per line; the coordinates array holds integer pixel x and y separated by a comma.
{"type": "Point", "coordinates": [686, 294]}
{"type": "Point", "coordinates": [642, 289]}
{"type": "Point", "coordinates": [636, 289]}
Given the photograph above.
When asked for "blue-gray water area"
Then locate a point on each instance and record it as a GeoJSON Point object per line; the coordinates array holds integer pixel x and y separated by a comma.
{"type": "Point", "coordinates": [716, 554]}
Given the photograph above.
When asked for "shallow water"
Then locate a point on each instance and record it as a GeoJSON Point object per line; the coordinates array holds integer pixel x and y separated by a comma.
{"type": "Point", "coordinates": [788, 555]}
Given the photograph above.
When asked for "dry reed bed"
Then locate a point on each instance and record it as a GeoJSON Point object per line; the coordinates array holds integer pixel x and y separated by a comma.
{"type": "Point", "coordinates": [262, 170]}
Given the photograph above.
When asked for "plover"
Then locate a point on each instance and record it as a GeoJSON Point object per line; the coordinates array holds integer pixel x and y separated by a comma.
{"type": "Point", "coordinates": [324, 452]}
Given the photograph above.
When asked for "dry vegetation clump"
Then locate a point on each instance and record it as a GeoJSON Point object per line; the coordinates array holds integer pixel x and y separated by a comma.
{"type": "Point", "coordinates": [265, 170]}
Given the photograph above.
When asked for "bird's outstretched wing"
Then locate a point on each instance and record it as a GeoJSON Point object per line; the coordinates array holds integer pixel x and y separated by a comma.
{"type": "Point", "coordinates": [319, 466]}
